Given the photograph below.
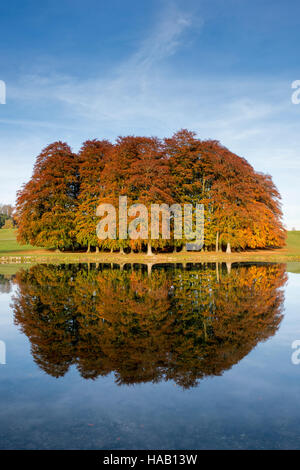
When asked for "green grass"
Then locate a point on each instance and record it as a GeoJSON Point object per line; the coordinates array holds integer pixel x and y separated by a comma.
{"type": "Point", "coordinates": [11, 269]}
{"type": "Point", "coordinates": [293, 245]}
{"type": "Point", "coordinates": [293, 267]}
{"type": "Point", "coordinates": [9, 244]}
{"type": "Point", "coordinates": [293, 241]}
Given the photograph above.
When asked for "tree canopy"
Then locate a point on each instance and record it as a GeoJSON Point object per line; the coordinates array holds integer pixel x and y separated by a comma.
{"type": "Point", "coordinates": [57, 207]}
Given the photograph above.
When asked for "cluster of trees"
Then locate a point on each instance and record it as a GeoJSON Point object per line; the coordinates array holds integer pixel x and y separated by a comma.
{"type": "Point", "coordinates": [175, 324]}
{"type": "Point", "coordinates": [6, 216]}
{"type": "Point", "coordinates": [57, 207]}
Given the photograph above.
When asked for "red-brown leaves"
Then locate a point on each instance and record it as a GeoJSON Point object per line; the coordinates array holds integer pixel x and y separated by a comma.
{"type": "Point", "coordinates": [57, 207]}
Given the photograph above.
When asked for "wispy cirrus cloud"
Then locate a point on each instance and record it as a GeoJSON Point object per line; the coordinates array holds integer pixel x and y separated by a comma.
{"type": "Point", "coordinates": [164, 40]}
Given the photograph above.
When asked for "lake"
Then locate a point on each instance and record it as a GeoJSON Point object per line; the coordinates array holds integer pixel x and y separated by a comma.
{"type": "Point", "coordinates": [150, 357]}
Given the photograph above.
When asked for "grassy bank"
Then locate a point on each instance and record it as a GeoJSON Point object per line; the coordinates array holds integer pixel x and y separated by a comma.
{"type": "Point", "coordinates": [13, 253]}
{"type": "Point", "coordinates": [10, 247]}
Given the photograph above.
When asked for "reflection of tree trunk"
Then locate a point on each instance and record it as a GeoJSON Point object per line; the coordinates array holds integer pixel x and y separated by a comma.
{"type": "Point", "coordinates": [228, 267]}
{"type": "Point", "coordinates": [149, 249]}
{"type": "Point", "coordinates": [149, 267]}
{"type": "Point", "coordinates": [205, 330]}
{"type": "Point", "coordinates": [217, 242]}
{"type": "Point", "coordinates": [228, 249]}
{"type": "Point", "coordinates": [217, 272]}
{"type": "Point", "coordinates": [88, 248]}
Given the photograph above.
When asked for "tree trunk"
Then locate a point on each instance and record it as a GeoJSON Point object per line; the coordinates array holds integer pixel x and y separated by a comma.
{"type": "Point", "coordinates": [228, 249]}
{"type": "Point", "coordinates": [97, 249]}
{"type": "Point", "coordinates": [88, 248]}
{"type": "Point", "coordinates": [205, 330]}
{"type": "Point", "coordinates": [121, 250]}
{"type": "Point", "coordinates": [217, 242]}
{"type": "Point", "coordinates": [174, 249]}
{"type": "Point", "coordinates": [111, 250]}
{"type": "Point", "coordinates": [149, 249]}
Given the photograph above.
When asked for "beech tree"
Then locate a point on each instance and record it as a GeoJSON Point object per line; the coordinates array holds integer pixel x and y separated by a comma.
{"type": "Point", "coordinates": [92, 158]}
{"type": "Point", "coordinates": [46, 205]}
{"type": "Point", "coordinates": [245, 205]}
{"type": "Point", "coordinates": [242, 207]}
{"type": "Point", "coordinates": [138, 169]}
{"type": "Point", "coordinates": [150, 182]}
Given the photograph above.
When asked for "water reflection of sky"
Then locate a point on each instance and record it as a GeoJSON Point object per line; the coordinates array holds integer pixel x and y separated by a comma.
{"type": "Point", "coordinates": [252, 405]}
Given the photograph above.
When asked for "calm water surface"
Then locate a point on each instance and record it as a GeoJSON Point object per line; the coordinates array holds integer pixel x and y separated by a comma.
{"type": "Point", "coordinates": [161, 357]}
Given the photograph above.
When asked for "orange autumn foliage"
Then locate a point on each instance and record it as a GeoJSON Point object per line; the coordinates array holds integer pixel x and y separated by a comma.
{"type": "Point", "coordinates": [57, 207]}
{"type": "Point", "coordinates": [175, 324]}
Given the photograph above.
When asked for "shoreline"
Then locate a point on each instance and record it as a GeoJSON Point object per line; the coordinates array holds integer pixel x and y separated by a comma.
{"type": "Point", "coordinates": [280, 256]}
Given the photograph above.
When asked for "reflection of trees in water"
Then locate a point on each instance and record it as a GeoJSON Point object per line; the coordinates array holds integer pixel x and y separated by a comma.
{"type": "Point", "coordinates": [174, 324]}
{"type": "Point", "coordinates": [5, 284]}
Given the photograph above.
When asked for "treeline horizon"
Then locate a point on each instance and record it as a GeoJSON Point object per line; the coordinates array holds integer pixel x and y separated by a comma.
{"type": "Point", "coordinates": [6, 216]}
{"type": "Point", "coordinates": [57, 207]}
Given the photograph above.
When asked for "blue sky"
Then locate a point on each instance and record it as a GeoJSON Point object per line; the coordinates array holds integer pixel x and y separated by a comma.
{"type": "Point", "coordinates": [76, 70]}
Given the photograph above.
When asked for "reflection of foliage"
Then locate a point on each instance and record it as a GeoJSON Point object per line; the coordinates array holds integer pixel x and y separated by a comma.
{"type": "Point", "coordinates": [5, 284]}
{"type": "Point", "coordinates": [176, 324]}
